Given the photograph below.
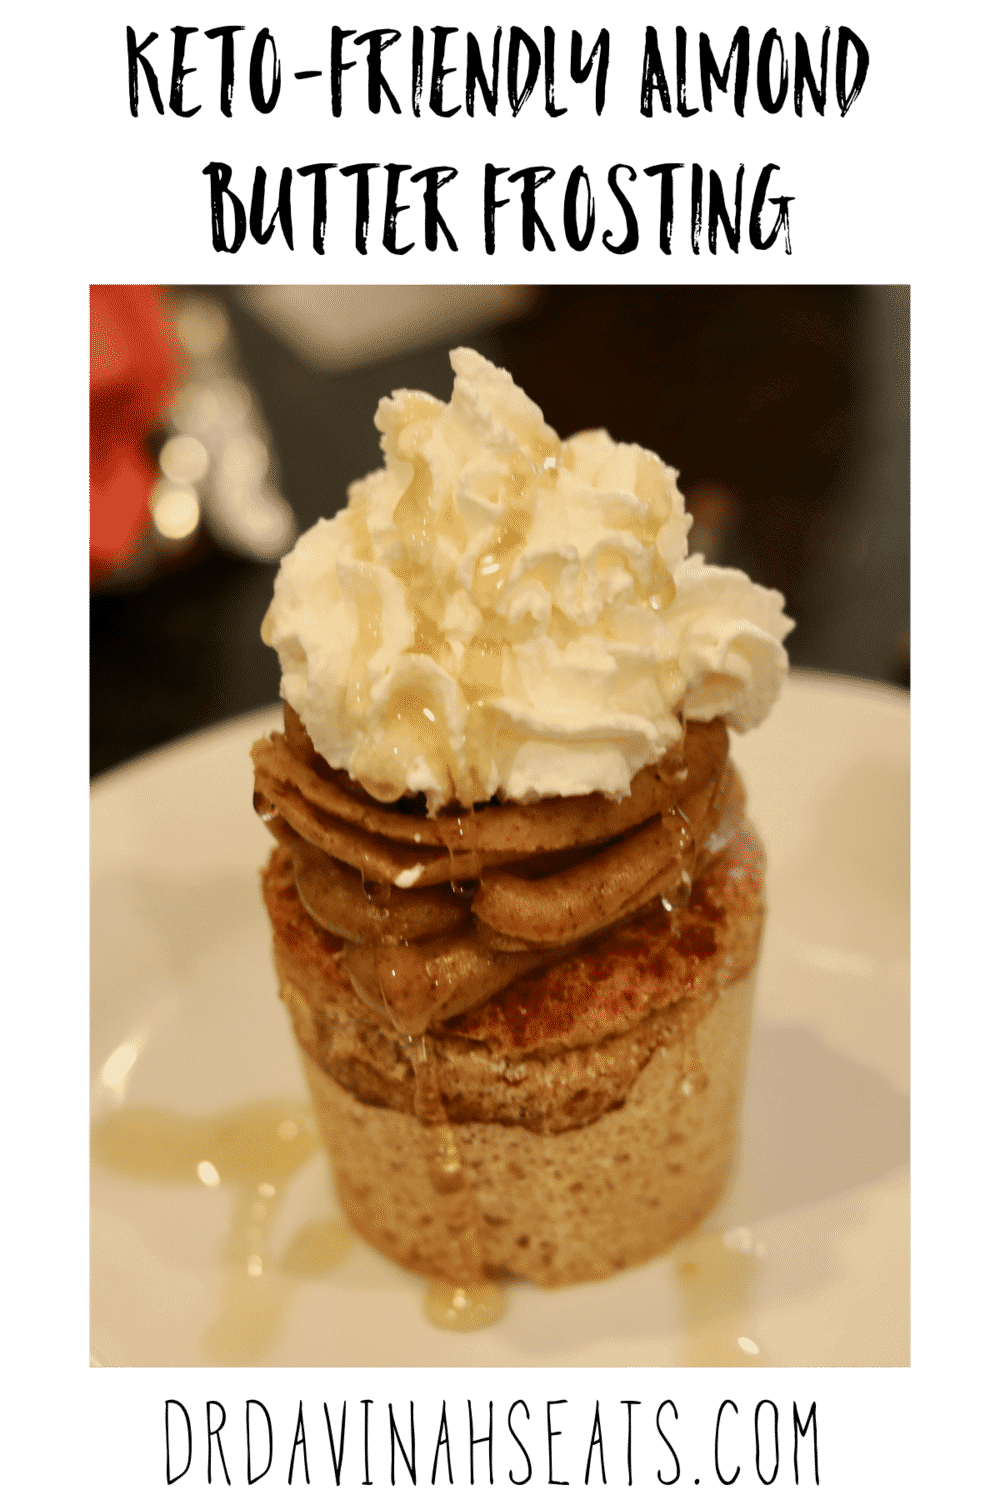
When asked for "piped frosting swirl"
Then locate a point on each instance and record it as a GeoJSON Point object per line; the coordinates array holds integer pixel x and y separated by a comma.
{"type": "Point", "coordinates": [437, 915]}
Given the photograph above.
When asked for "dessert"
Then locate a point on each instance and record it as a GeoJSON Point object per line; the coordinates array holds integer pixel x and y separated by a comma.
{"type": "Point", "coordinates": [515, 898]}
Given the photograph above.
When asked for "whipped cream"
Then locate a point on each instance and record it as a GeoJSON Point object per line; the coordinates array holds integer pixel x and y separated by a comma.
{"type": "Point", "coordinates": [498, 611]}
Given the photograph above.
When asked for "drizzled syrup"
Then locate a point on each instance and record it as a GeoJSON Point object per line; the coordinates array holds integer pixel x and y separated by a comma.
{"type": "Point", "coordinates": [465, 1308]}
{"type": "Point", "coordinates": [377, 894]}
{"type": "Point", "coordinates": [466, 1299]}
{"type": "Point", "coordinates": [717, 1275]}
{"type": "Point", "coordinates": [255, 1151]}
{"type": "Point", "coordinates": [694, 1079]}
{"type": "Point", "coordinates": [385, 952]}
{"type": "Point", "coordinates": [464, 841]}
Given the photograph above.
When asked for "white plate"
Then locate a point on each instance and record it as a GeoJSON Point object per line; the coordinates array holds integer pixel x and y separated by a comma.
{"type": "Point", "coordinates": [806, 1262]}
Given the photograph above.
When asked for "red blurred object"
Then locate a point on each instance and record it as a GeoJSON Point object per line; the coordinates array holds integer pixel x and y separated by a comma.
{"type": "Point", "coordinates": [134, 366]}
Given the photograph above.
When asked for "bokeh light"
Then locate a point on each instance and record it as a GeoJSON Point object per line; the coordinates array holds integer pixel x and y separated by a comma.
{"type": "Point", "coordinates": [175, 510]}
{"type": "Point", "coordinates": [184, 459]}
{"type": "Point", "coordinates": [202, 327]}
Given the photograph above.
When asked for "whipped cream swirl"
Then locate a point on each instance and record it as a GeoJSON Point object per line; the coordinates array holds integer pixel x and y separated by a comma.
{"type": "Point", "coordinates": [499, 611]}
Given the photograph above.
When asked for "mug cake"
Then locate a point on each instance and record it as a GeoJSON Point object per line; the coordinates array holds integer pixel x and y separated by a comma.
{"type": "Point", "coordinates": [515, 898]}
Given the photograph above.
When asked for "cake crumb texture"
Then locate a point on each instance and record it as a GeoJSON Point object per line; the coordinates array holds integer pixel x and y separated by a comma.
{"type": "Point", "coordinates": [555, 1209]}
{"type": "Point", "coordinates": [594, 1108]}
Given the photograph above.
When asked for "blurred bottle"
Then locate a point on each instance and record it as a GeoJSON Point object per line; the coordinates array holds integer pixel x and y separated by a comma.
{"type": "Point", "coordinates": [135, 362]}
{"type": "Point", "coordinates": [218, 480]}
{"type": "Point", "coordinates": [218, 462]}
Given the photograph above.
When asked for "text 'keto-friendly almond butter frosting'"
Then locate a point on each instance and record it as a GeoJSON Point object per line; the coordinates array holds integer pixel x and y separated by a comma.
{"type": "Point", "coordinates": [499, 613]}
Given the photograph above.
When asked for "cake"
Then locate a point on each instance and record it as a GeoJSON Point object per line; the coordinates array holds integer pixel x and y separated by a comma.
{"type": "Point", "coordinates": [515, 898]}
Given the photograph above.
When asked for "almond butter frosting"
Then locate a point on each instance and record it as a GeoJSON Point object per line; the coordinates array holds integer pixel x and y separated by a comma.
{"type": "Point", "coordinates": [498, 612]}
{"type": "Point", "coordinates": [432, 917]}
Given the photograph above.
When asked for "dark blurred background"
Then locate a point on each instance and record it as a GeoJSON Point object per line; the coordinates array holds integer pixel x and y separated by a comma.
{"type": "Point", "coordinates": [784, 408]}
